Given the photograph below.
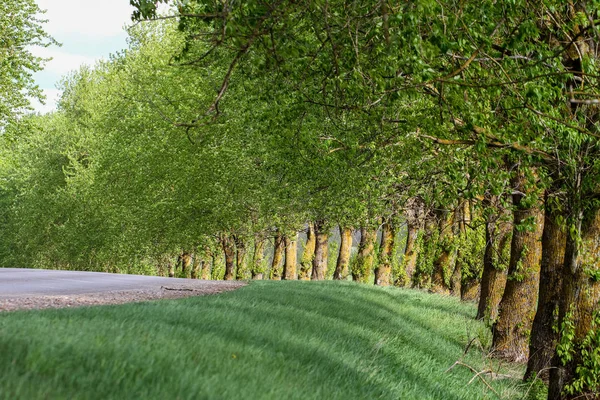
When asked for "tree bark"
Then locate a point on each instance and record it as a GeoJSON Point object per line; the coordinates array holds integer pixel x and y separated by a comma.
{"type": "Point", "coordinates": [240, 258]}
{"type": "Point", "coordinates": [308, 254]}
{"type": "Point", "coordinates": [343, 260]}
{"type": "Point", "coordinates": [258, 257]}
{"type": "Point", "coordinates": [579, 300]}
{"type": "Point", "coordinates": [495, 265]}
{"type": "Point", "coordinates": [186, 262]}
{"type": "Point", "coordinates": [319, 268]}
{"type": "Point", "coordinates": [194, 272]}
{"type": "Point", "coordinates": [414, 215]}
{"type": "Point", "coordinates": [229, 249]}
{"type": "Point", "coordinates": [518, 304]}
{"type": "Point", "coordinates": [291, 251]}
{"type": "Point", "coordinates": [543, 335]}
{"type": "Point", "coordinates": [276, 265]}
{"type": "Point", "coordinates": [444, 262]}
{"type": "Point", "coordinates": [383, 272]}
{"type": "Point", "coordinates": [361, 271]}
{"type": "Point", "coordinates": [426, 253]}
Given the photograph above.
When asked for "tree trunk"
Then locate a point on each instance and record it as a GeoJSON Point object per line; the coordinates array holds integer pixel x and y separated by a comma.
{"type": "Point", "coordinates": [240, 258]}
{"type": "Point", "coordinates": [518, 304]}
{"type": "Point", "coordinates": [470, 290]}
{"type": "Point", "coordinates": [195, 266]}
{"type": "Point", "coordinates": [543, 335]}
{"type": "Point", "coordinates": [426, 253]}
{"type": "Point", "coordinates": [319, 268]}
{"type": "Point", "coordinates": [258, 257]}
{"type": "Point", "coordinates": [276, 265]}
{"type": "Point", "coordinates": [495, 264]}
{"type": "Point", "coordinates": [410, 252]}
{"type": "Point", "coordinates": [343, 260]}
{"type": "Point", "coordinates": [414, 215]}
{"type": "Point", "coordinates": [579, 301]}
{"type": "Point", "coordinates": [229, 249]}
{"type": "Point", "coordinates": [383, 272]}
{"type": "Point", "coordinates": [440, 277]}
{"type": "Point", "coordinates": [186, 262]}
{"type": "Point", "coordinates": [361, 271]}
{"type": "Point", "coordinates": [456, 278]}
{"type": "Point", "coordinates": [308, 254]}
{"type": "Point", "coordinates": [291, 251]}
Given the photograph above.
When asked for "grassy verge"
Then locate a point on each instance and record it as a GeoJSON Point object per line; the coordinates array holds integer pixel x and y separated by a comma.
{"type": "Point", "coordinates": [269, 340]}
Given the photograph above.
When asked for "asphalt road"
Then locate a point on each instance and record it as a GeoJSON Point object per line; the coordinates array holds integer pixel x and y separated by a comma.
{"type": "Point", "coordinates": [16, 282]}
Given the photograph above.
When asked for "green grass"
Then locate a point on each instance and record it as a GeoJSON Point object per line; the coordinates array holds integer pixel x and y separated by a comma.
{"type": "Point", "coordinates": [269, 340]}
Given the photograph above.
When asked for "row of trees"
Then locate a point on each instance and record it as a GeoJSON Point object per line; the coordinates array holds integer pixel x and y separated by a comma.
{"type": "Point", "coordinates": [225, 130]}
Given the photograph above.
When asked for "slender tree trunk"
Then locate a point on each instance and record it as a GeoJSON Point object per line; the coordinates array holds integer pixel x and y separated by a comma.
{"type": "Point", "coordinates": [579, 301]}
{"type": "Point", "coordinates": [543, 335]}
{"type": "Point", "coordinates": [240, 258]}
{"type": "Point", "coordinates": [426, 253]}
{"type": "Point", "coordinates": [456, 277]}
{"type": "Point", "coordinates": [229, 249]}
{"type": "Point", "coordinates": [495, 264]}
{"type": "Point", "coordinates": [361, 272]}
{"type": "Point", "coordinates": [410, 252]}
{"type": "Point", "coordinates": [258, 258]}
{"type": "Point", "coordinates": [195, 266]}
{"type": "Point", "coordinates": [276, 263]}
{"type": "Point", "coordinates": [518, 304]}
{"type": "Point", "coordinates": [291, 251]}
{"type": "Point", "coordinates": [414, 215]}
{"type": "Point", "coordinates": [186, 262]}
{"type": "Point", "coordinates": [170, 267]}
{"type": "Point", "coordinates": [308, 253]}
{"type": "Point", "coordinates": [343, 260]}
{"type": "Point", "coordinates": [321, 249]}
{"type": "Point", "coordinates": [205, 271]}
{"type": "Point", "coordinates": [443, 263]}
{"type": "Point", "coordinates": [383, 272]}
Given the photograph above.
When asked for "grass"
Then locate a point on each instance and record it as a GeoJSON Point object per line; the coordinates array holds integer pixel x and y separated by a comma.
{"type": "Point", "coordinates": [269, 340]}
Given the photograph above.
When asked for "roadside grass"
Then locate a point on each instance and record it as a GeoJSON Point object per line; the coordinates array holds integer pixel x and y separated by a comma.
{"type": "Point", "coordinates": [269, 340]}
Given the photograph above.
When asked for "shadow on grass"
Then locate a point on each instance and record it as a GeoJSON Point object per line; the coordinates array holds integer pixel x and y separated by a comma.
{"type": "Point", "coordinates": [298, 340]}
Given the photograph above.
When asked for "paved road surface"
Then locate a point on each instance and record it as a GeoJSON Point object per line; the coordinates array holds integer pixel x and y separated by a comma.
{"type": "Point", "coordinates": [16, 283]}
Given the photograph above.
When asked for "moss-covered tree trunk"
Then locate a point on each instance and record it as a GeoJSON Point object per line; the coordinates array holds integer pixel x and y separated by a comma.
{"type": "Point", "coordinates": [258, 257]}
{"type": "Point", "coordinates": [308, 253]}
{"type": "Point", "coordinates": [343, 260]}
{"type": "Point", "coordinates": [276, 263]}
{"type": "Point", "coordinates": [383, 272]}
{"type": "Point", "coordinates": [206, 269]}
{"type": "Point", "coordinates": [426, 253]}
{"type": "Point", "coordinates": [498, 229]}
{"type": "Point", "coordinates": [518, 304]}
{"type": "Point", "coordinates": [443, 266]}
{"type": "Point", "coordinates": [240, 258]}
{"type": "Point", "coordinates": [228, 246]}
{"type": "Point", "coordinates": [291, 251]}
{"type": "Point", "coordinates": [544, 336]}
{"type": "Point", "coordinates": [186, 263]}
{"type": "Point", "coordinates": [361, 271]}
{"type": "Point", "coordinates": [410, 252]}
{"type": "Point", "coordinates": [319, 268]}
{"type": "Point", "coordinates": [195, 271]}
{"type": "Point", "coordinates": [414, 215]}
{"type": "Point", "coordinates": [578, 304]}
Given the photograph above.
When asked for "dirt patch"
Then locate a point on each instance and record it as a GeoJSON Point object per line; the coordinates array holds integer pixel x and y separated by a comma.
{"type": "Point", "coordinates": [201, 288]}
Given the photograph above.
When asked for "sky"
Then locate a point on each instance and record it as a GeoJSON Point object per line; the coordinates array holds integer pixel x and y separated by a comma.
{"type": "Point", "coordinates": [88, 30]}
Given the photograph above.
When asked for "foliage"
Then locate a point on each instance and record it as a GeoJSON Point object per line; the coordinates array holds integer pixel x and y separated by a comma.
{"type": "Point", "coordinates": [20, 32]}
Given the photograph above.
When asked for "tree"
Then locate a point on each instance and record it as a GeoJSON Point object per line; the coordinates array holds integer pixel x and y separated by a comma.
{"type": "Point", "coordinates": [20, 30]}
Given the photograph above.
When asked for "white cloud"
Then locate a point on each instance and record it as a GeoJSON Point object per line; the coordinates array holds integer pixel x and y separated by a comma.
{"type": "Point", "coordinates": [89, 18]}
{"type": "Point", "coordinates": [52, 97]}
{"type": "Point", "coordinates": [63, 62]}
